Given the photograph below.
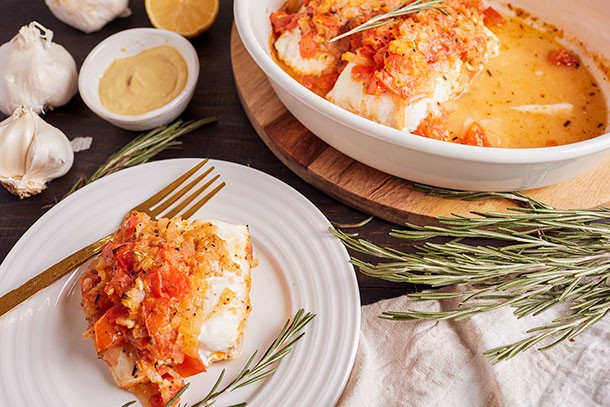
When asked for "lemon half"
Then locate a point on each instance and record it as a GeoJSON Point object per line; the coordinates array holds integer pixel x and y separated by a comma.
{"type": "Point", "coordinates": [188, 18]}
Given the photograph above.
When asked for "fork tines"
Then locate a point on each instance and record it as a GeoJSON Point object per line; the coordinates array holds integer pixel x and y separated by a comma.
{"type": "Point", "coordinates": [176, 199]}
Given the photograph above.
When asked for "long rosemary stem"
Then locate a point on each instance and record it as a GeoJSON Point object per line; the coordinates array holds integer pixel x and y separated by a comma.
{"type": "Point", "coordinates": [405, 8]}
{"type": "Point", "coordinates": [283, 344]}
{"type": "Point", "coordinates": [143, 148]}
{"type": "Point", "coordinates": [538, 257]}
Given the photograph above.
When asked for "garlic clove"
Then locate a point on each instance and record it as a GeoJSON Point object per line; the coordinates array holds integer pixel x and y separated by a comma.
{"type": "Point", "coordinates": [88, 15]}
{"type": "Point", "coordinates": [16, 135]}
{"type": "Point", "coordinates": [50, 154]}
{"type": "Point", "coordinates": [41, 154]}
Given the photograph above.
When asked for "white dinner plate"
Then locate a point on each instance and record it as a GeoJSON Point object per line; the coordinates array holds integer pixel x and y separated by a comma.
{"type": "Point", "coordinates": [45, 362]}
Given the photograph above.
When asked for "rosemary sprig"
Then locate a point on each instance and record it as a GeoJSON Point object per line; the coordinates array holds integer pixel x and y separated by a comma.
{"type": "Point", "coordinates": [540, 257]}
{"type": "Point", "coordinates": [143, 148]}
{"type": "Point", "coordinates": [402, 9]}
{"type": "Point", "coordinates": [360, 224]}
{"type": "Point", "coordinates": [283, 344]}
{"type": "Point", "coordinates": [515, 196]}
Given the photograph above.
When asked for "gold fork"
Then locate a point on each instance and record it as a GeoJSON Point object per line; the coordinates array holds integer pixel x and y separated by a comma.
{"type": "Point", "coordinates": [157, 205]}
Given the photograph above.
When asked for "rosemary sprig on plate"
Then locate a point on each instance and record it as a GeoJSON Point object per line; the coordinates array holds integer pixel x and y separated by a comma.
{"type": "Point", "coordinates": [540, 257]}
{"type": "Point", "coordinates": [143, 148]}
{"type": "Point", "coordinates": [401, 10]}
{"type": "Point", "coordinates": [283, 344]}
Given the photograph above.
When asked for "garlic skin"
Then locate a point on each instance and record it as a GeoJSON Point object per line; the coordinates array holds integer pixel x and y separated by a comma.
{"type": "Point", "coordinates": [35, 72]}
{"type": "Point", "coordinates": [32, 152]}
{"type": "Point", "coordinates": [88, 15]}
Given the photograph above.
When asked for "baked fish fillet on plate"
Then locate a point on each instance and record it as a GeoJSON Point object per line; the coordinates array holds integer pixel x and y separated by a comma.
{"type": "Point", "coordinates": [167, 298]}
{"type": "Point", "coordinates": [397, 74]}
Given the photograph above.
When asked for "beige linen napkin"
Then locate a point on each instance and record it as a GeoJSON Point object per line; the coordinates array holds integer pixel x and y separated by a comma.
{"type": "Point", "coordinates": [441, 363]}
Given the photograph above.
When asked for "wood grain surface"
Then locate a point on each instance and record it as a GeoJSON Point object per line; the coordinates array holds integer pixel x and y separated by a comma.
{"type": "Point", "coordinates": [363, 187]}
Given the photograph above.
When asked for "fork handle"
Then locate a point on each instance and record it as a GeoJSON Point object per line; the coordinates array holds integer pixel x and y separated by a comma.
{"type": "Point", "coordinates": [15, 297]}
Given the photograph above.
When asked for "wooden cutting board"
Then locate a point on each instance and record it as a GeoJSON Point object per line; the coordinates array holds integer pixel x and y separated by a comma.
{"type": "Point", "coordinates": [367, 189]}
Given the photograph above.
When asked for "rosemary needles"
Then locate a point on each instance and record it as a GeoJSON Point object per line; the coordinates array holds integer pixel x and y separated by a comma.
{"type": "Point", "coordinates": [283, 344]}
{"type": "Point", "coordinates": [143, 148]}
{"type": "Point", "coordinates": [539, 257]}
{"type": "Point", "coordinates": [402, 9]}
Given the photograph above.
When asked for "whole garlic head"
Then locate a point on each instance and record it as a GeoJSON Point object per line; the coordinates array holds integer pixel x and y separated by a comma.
{"type": "Point", "coordinates": [35, 72]}
{"type": "Point", "coordinates": [32, 152]}
{"type": "Point", "coordinates": [88, 15]}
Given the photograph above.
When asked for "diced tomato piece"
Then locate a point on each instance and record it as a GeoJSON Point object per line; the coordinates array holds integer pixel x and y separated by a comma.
{"type": "Point", "coordinates": [367, 52]}
{"type": "Point", "coordinates": [128, 227]}
{"type": "Point", "coordinates": [121, 253]}
{"type": "Point", "coordinates": [282, 21]}
{"type": "Point", "coordinates": [124, 258]}
{"type": "Point", "coordinates": [355, 42]}
{"type": "Point", "coordinates": [156, 314]}
{"type": "Point", "coordinates": [308, 46]}
{"type": "Point", "coordinates": [492, 18]}
{"type": "Point", "coordinates": [156, 282]}
{"type": "Point", "coordinates": [377, 38]}
{"type": "Point", "coordinates": [362, 72]}
{"type": "Point", "coordinates": [385, 81]}
{"type": "Point", "coordinates": [119, 284]}
{"type": "Point", "coordinates": [326, 20]}
{"type": "Point", "coordinates": [176, 284]}
{"type": "Point", "coordinates": [169, 283]}
{"type": "Point", "coordinates": [375, 87]}
{"type": "Point", "coordinates": [563, 57]}
{"type": "Point", "coordinates": [326, 82]}
{"type": "Point", "coordinates": [322, 84]}
{"type": "Point", "coordinates": [107, 249]}
{"type": "Point", "coordinates": [475, 136]}
{"type": "Point", "coordinates": [433, 127]}
{"type": "Point", "coordinates": [156, 400]}
{"type": "Point", "coordinates": [379, 57]}
{"type": "Point", "coordinates": [107, 332]}
{"type": "Point", "coordinates": [190, 366]}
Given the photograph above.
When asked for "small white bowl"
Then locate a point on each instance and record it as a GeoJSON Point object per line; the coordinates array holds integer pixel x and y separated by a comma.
{"type": "Point", "coordinates": [431, 161]}
{"type": "Point", "coordinates": [127, 43]}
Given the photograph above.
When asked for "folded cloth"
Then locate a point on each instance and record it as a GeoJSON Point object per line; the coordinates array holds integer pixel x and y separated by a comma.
{"type": "Point", "coordinates": [440, 363]}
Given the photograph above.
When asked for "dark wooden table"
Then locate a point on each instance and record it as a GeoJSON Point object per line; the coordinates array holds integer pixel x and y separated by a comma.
{"type": "Point", "coordinates": [231, 139]}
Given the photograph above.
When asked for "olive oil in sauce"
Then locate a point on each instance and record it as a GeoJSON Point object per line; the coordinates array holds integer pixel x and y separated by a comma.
{"type": "Point", "coordinates": [523, 100]}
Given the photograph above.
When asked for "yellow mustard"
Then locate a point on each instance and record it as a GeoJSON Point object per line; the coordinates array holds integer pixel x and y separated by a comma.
{"type": "Point", "coordinates": [143, 82]}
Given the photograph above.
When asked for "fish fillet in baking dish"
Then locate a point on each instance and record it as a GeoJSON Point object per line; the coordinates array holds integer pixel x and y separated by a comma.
{"type": "Point", "coordinates": [303, 35]}
{"type": "Point", "coordinates": [398, 74]}
{"type": "Point", "coordinates": [167, 298]}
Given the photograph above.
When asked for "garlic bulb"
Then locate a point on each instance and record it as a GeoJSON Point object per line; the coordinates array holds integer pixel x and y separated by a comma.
{"type": "Point", "coordinates": [88, 15]}
{"type": "Point", "coordinates": [35, 72]}
{"type": "Point", "coordinates": [32, 152]}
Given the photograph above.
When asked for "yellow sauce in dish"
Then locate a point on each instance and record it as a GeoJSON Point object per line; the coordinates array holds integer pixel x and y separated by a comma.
{"type": "Point", "coordinates": [523, 101]}
{"type": "Point", "coordinates": [144, 82]}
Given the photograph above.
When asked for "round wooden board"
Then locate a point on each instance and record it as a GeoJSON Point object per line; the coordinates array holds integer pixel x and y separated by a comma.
{"type": "Point", "coordinates": [367, 189]}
